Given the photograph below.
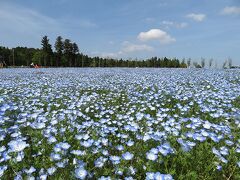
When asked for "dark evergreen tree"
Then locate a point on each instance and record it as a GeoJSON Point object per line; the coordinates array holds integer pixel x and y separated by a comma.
{"type": "Point", "coordinates": [68, 52]}
{"type": "Point", "coordinates": [202, 62]}
{"type": "Point", "coordinates": [59, 50]}
{"type": "Point", "coordinates": [75, 51]}
{"type": "Point", "coordinates": [210, 63]}
{"type": "Point", "coordinates": [47, 51]}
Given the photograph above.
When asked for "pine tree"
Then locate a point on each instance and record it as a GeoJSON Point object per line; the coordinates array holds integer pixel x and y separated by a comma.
{"type": "Point", "coordinates": [68, 51]}
{"type": "Point", "coordinates": [47, 50]}
{"type": "Point", "coordinates": [75, 51]}
{"type": "Point", "coordinates": [202, 62]}
{"type": "Point", "coordinates": [210, 63]}
{"type": "Point", "coordinates": [189, 62]}
{"type": "Point", "coordinates": [59, 50]}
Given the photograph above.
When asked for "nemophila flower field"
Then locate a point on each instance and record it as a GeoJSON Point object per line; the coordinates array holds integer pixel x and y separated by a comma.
{"type": "Point", "coordinates": [119, 124]}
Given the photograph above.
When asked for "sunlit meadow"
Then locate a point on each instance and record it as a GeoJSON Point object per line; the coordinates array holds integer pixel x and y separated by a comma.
{"type": "Point", "coordinates": [118, 123]}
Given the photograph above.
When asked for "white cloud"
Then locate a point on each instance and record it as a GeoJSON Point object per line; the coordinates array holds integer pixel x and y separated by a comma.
{"type": "Point", "coordinates": [128, 47]}
{"type": "Point", "coordinates": [168, 24]}
{"type": "Point", "coordinates": [196, 17]}
{"type": "Point", "coordinates": [231, 10]}
{"type": "Point", "coordinates": [156, 34]}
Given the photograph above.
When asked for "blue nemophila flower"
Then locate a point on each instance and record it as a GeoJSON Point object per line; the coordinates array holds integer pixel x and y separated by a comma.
{"type": "Point", "coordinates": [52, 139]}
{"type": "Point", "coordinates": [64, 145]}
{"type": "Point", "coordinates": [130, 143]}
{"type": "Point", "coordinates": [132, 170]}
{"type": "Point", "coordinates": [146, 137]}
{"type": "Point", "coordinates": [199, 137]}
{"type": "Point", "coordinates": [207, 125]}
{"type": "Point", "coordinates": [30, 177]}
{"type": "Point", "coordinates": [219, 167]}
{"type": "Point", "coordinates": [224, 150]}
{"type": "Point", "coordinates": [2, 136]}
{"type": "Point", "coordinates": [38, 125]}
{"type": "Point", "coordinates": [163, 151]}
{"type": "Point", "coordinates": [215, 138]}
{"type": "Point", "coordinates": [120, 147]}
{"type": "Point", "coordinates": [4, 107]}
{"type": "Point", "coordinates": [18, 177]}
{"type": "Point", "coordinates": [104, 141]}
{"type": "Point", "coordinates": [3, 148]}
{"type": "Point", "coordinates": [223, 160]}
{"type": "Point", "coordinates": [105, 152]}
{"type": "Point", "coordinates": [2, 169]}
{"type": "Point", "coordinates": [16, 134]}
{"type": "Point", "coordinates": [5, 157]}
{"type": "Point", "coordinates": [43, 177]}
{"type": "Point", "coordinates": [150, 175]}
{"type": "Point", "coordinates": [51, 170]}
{"type": "Point", "coordinates": [30, 170]}
{"type": "Point", "coordinates": [229, 143]}
{"type": "Point", "coordinates": [78, 152]}
{"type": "Point", "coordinates": [139, 116]}
{"type": "Point", "coordinates": [55, 157]}
{"type": "Point", "coordinates": [151, 156]}
{"type": "Point", "coordinates": [100, 162]}
{"type": "Point", "coordinates": [190, 143]}
{"type": "Point", "coordinates": [204, 133]}
{"type": "Point", "coordinates": [127, 156]}
{"type": "Point", "coordinates": [80, 173]}
{"type": "Point", "coordinates": [128, 178]}
{"type": "Point", "coordinates": [87, 143]}
{"type": "Point", "coordinates": [119, 172]}
{"type": "Point", "coordinates": [17, 145]}
{"type": "Point", "coordinates": [61, 164]}
{"type": "Point", "coordinates": [104, 178]}
{"type": "Point", "coordinates": [238, 150]}
{"type": "Point", "coordinates": [158, 176]}
{"type": "Point", "coordinates": [20, 156]}
{"type": "Point", "coordinates": [115, 159]}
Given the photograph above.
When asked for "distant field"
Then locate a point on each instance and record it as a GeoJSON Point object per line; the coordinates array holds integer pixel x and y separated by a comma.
{"type": "Point", "coordinates": [119, 123]}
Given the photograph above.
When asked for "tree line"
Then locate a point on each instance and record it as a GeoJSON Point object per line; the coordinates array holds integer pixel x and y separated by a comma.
{"type": "Point", "coordinates": [66, 53]}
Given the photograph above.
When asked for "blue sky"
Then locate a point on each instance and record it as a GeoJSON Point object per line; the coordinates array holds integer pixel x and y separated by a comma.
{"type": "Point", "coordinates": [128, 28]}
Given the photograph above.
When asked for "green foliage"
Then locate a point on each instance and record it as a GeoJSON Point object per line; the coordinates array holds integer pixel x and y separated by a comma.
{"type": "Point", "coordinates": [67, 54]}
{"type": "Point", "coordinates": [59, 50]}
{"type": "Point", "coordinates": [46, 51]}
{"type": "Point", "coordinates": [37, 57]}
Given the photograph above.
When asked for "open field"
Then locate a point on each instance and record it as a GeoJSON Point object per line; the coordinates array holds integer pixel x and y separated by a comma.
{"type": "Point", "coordinates": [119, 123]}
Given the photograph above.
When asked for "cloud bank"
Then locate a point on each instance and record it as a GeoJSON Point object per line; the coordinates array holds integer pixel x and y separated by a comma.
{"type": "Point", "coordinates": [231, 10]}
{"type": "Point", "coordinates": [156, 34]}
{"type": "Point", "coordinates": [197, 17]}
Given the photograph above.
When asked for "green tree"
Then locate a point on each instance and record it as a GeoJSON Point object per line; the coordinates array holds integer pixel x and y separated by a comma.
{"type": "Point", "coordinates": [47, 51]}
{"type": "Point", "coordinates": [75, 52]}
{"type": "Point", "coordinates": [37, 57]}
{"type": "Point", "coordinates": [196, 65]}
{"type": "Point", "coordinates": [59, 50]}
{"type": "Point", "coordinates": [202, 62]}
{"type": "Point", "coordinates": [224, 65]}
{"type": "Point", "coordinates": [183, 63]}
{"type": "Point", "coordinates": [189, 62]}
{"type": "Point", "coordinates": [229, 62]}
{"type": "Point", "coordinates": [68, 52]}
{"type": "Point", "coordinates": [210, 63]}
